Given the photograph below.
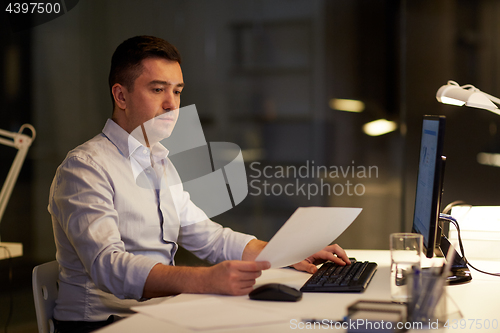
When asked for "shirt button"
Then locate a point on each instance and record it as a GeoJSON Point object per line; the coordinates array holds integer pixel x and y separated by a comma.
{"type": "Point", "coordinates": [145, 151]}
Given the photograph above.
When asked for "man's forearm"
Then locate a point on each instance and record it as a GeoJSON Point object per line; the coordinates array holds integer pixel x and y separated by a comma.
{"type": "Point", "coordinates": [164, 280]}
{"type": "Point", "coordinates": [231, 277]}
{"type": "Point", "coordinates": [252, 249]}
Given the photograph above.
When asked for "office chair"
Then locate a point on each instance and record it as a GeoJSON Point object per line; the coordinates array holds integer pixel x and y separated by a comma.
{"type": "Point", "coordinates": [45, 290]}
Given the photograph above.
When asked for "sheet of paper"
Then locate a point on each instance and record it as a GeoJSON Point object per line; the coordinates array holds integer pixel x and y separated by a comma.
{"type": "Point", "coordinates": [306, 232]}
{"type": "Point", "coordinates": [211, 313]}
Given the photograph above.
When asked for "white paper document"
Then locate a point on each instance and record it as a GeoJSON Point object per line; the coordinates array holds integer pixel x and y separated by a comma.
{"type": "Point", "coordinates": [306, 232]}
{"type": "Point", "coordinates": [211, 313]}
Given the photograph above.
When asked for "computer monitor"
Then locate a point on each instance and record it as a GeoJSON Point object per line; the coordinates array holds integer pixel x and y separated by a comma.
{"type": "Point", "coordinates": [428, 196]}
{"type": "Point", "coordinates": [429, 181]}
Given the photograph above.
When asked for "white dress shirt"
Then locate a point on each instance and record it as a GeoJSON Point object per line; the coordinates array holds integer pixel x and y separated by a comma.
{"type": "Point", "coordinates": [115, 216]}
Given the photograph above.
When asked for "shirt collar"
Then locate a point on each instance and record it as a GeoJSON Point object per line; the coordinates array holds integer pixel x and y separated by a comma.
{"type": "Point", "coordinates": [127, 144]}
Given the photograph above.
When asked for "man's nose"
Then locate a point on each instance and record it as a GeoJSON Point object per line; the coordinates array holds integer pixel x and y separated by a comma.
{"type": "Point", "coordinates": [170, 102]}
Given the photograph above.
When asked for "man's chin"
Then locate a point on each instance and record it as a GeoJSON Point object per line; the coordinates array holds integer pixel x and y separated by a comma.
{"type": "Point", "coordinates": [153, 134]}
{"type": "Point", "coordinates": [157, 136]}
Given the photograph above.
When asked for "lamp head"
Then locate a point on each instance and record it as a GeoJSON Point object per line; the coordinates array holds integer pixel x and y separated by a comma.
{"type": "Point", "coordinates": [467, 95]}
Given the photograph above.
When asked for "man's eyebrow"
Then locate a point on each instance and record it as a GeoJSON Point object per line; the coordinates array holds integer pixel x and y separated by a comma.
{"type": "Point", "coordinates": [167, 83]}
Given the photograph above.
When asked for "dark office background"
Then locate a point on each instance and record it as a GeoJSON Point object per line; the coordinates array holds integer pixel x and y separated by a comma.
{"type": "Point", "coordinates": [262, 74]}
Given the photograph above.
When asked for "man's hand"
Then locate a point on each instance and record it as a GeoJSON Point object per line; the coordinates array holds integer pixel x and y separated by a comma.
{"type": "Point", "coordinates": [235, 277]}
{"type": "Point", "coordinates": [332, 252]}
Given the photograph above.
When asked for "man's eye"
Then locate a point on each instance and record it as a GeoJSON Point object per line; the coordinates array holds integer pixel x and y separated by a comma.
{"type": "Point", "coordinates": [178, 92]}
{"type": "Point", "coordinates": [157, 90]}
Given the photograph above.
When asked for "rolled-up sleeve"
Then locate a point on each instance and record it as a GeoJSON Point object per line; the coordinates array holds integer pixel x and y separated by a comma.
{"type": "Point", "coordinates": [209, 240]}
{"type": "Point", "coordinates": [86, 225]}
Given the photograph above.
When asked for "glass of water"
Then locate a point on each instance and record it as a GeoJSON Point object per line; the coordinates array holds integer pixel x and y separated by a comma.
{"type": "Point", "coordinates": [406, 249]}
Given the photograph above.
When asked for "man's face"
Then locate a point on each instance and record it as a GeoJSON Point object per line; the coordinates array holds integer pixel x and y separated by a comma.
{"type": "Point", "coordinates": [155, 99]}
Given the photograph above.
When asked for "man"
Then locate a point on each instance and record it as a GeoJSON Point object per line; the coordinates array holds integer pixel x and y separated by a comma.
{"type": "Point", "coordinates": [118, 220]}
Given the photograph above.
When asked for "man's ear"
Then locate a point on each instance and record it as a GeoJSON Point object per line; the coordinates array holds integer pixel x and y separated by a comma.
{"type": "Point", "coordinates": [119, 92]}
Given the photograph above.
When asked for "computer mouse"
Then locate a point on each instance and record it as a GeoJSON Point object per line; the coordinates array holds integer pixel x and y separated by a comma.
{"type": "Point", "coordinates": [276, 292]}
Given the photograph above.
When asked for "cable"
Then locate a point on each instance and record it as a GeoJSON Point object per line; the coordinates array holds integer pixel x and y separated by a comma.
{"type": "Point", "coordinates": [460, 244]}
{"type": "Point", "coordinates": [448, 207]}
{"type": "Point", "coordinates": [11, 295]}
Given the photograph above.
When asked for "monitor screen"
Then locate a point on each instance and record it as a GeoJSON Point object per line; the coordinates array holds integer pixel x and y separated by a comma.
{"type": "Point", "coordinates": [429, 181]}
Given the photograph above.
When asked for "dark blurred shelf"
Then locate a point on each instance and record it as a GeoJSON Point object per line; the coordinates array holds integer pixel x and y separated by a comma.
{"type": "Point", "coordinates": [269, 70]}
{"type": "Point", "coordinates": [263, 119]}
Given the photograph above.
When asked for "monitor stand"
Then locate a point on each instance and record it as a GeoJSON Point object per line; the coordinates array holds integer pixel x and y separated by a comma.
{"type": "Point", "coordinates": [460, 273]}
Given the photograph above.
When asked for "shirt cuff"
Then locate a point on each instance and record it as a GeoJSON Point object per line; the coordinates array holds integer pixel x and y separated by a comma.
{"type": "Point", "coordinates": [141, 266]}
{"type": "Point", "coordinates": [236, 245]}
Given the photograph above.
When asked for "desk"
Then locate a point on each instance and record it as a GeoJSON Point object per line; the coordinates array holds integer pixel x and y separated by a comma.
{"type": "Point", "coordinates": [476, 300]}
{"type": "Point", "coordinates": [15, 250]}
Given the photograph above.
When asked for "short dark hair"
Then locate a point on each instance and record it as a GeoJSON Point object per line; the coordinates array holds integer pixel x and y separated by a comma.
{"type": "Point", "coordinates": [126, 63]}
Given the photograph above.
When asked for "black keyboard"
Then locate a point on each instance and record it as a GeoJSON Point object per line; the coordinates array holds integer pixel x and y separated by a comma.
{"type": "Point", "coordinates": [331, 277]}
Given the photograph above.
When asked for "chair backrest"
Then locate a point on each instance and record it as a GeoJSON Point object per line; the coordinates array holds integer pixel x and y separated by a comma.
{"type": "Point", "coordinates": [45, 290]}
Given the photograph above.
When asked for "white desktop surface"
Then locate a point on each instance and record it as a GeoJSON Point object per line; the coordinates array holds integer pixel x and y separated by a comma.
{"type": "Point", "coordinates": [477, 300]}
{"type": "Point", "coordinates": [14, 250]}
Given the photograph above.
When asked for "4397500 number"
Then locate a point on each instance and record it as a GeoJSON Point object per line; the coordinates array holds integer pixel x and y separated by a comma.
{"type": "Point", "coordinates": [33, 8]}
{"type": "Point", "coordinates": [469, 324]}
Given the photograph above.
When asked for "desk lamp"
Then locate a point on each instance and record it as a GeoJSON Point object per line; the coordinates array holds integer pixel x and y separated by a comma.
{"type": "Point", "coordinates": [468, 95]}
{"type": "Point", "coordinates": [21, 142]}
